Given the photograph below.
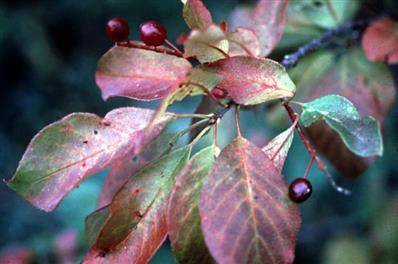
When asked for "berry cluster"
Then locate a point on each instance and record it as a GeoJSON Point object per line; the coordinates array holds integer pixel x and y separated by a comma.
{"type": "Point", "coordinates": [152, 33]}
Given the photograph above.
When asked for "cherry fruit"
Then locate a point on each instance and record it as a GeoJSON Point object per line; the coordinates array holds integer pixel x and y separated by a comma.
{"type": "Point", "coordinates": [219, 93]}
{"type": "Point", "coordinates": [117, 29]}
{"type": "Point", "coordinates": [153, 33]}
{"type": "Point", "coordinates": [300, 190]}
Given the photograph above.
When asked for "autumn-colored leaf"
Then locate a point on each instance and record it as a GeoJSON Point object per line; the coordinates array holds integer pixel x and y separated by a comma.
{"type": "Point", "coordinates": [125, 168]}
{"type": "Point", "coordinates": [137, 197]}
{"type": "Point", "coordinates": [81, 144]}
{"type": "Point", "coordinates": [278, 148]}
{"type": "Point", "coordinates": [361, 135]}
{"type": "Point", "coordinates": [380, 41]}
{"type": "Point", "coordinates": [368, 85]}
{"type": "Point", "coordinates": [266, 19]}
{"type": "Point", "coordinates": [196, 15]}
{"type": "Point", "coordinates": [208, 45]}
{"type": "Point", "coordinates": [16, 255]}
{"type": "Point", "coordinates": [139, 74]}
{"type": "Point", "coordinates": [183, 217]}
{"type": "Point", "coordinates": [251, 81]}
{"type": "Point", "coordinates": [243, 42]}
{"type": "Point", "coordinates": [246, 215]}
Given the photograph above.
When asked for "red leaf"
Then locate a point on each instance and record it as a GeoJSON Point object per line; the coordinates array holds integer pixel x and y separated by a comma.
{"type": "Point", "coordinates": [267, 20]}
{"type": "Point", "coordinates": [139, 74]}
{"type": "Point", "coordinates": [243, 42]}
{"type": "Point", "coordinates": [380, 41]}
{"type": "Point", "coordinates": [136, 223]}
{"type": "Point", "coordinates": [250, 81]}
{"type": "Point", "coordinates": [183, 217]}
{"type": "Point", "coordinates": [196, 15]}
{"type": "Point", "coordinates": [123, 169]}
{"type": "Point", "coordinates": [64, 153]}
{"type": "Point", "coordinates": [246, 215]}
{"type": "Point", "coordinates": [16, 255]}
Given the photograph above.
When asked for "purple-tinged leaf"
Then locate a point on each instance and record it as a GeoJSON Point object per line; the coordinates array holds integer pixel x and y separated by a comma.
{"type": "Point", "coordinates": [125, 168]}
{"type": "Point", "coordinates": [267, 20]}
{"type": "Point", "coordinates": [183, 217]}
{"type": "Point", "coordinates": [251, 81]}
{"type": "Point", "coordinates": [139, 74]}
{"type": "Point", "coordinates": [246, 215]}
{"type": "Point", "coordinates": [64, 153]}
{"type": "Point", "coordinates": [278, 148]}
{"type": "Point", "coordinates": [196, 15]}
{"type": "Point", "coordinates": [144, 192]}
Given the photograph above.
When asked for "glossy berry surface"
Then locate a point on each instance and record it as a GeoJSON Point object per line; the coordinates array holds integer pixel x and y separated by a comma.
{"type": "Point", "coordinates": [153, 33]}
{"type": "Point", "coordinates": [300, 190]}
{"type": "Point", "coordinates": [219, 93]}
{"type": "Point", "coordinates": [117, 29]}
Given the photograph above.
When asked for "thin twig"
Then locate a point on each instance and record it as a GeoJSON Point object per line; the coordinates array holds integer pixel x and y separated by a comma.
{"type": "Point", "coordinates": [290, 60]}
{"type": "Point", "coordinates": [238, 131]}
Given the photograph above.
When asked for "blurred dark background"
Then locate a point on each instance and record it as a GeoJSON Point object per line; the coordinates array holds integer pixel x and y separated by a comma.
{"type": "Point", "coordinates": [48, 55]}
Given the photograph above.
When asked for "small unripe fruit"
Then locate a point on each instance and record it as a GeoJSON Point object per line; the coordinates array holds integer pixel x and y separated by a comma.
{"type": "Point", "coordinates": [153, 33]}
{"type": "Point", "coordinates": [117, 29]}
{"type": "Point", "coordinates": [300, 190]}
{"type": "Point", "coordinates": [219, 93]}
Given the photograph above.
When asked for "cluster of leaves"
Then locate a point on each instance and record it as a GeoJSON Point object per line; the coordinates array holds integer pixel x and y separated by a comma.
{"type": "Point", "coordinates": [228, 206]}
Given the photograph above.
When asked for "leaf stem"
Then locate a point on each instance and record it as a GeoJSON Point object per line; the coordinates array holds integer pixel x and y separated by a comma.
{"type": "Point", "coordinates": [174, 47]}
{"type": "Point", "coordinates": [186, 130]}
{"type": "Point", "coordinates": [160, 49]}
{"type": "Point", "coordinates": [200, 116]}
{"type": "Point", "coordinates": [312, 151]}
{"type": "Point", "coordinates": [237, 121]}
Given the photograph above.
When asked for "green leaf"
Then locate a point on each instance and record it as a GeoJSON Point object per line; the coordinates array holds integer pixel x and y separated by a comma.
{"type": "Point", "coordinates": [138, 194]}
{"type": "Point", "coordinates": [327, 13]}
{"type": "Point", "coordinates": [185, 233]}
{"type": "Point", "coordinates": [196, 15]}
{"type": "Point", "coordinates": [361, 135]}
{"type": "Point", "coordinates": [64, 153]}
{"type": "Point", "coordinates": [207, 46]}
{"type": "Point", "coordinates": [93, 224]}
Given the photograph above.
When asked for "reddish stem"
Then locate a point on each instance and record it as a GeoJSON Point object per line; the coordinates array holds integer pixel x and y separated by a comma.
{"type": "Point", "coordinates": [304, 139]}
{"type": "Point", "coordinates": [174, 47]}
{"type": "Point", "coordinates": [160, 49]}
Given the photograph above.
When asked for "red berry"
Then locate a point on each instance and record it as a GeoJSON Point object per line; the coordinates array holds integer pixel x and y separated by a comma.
{"type": "Point", "coordinates": [117, 29]}
{"type": "Point", "coordinates": [153, 33]}
{"type": "Point", "coordinates": [300, 190]}
{"type": "Point", "coordinates": [219, 93]}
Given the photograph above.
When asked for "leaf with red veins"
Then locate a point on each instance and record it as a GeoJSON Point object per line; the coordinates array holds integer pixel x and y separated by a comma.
{"type": "Point", "coordinates": [185, 233]}
{"type": "Point", "coordinates": [139, 74]}
{"type": "Point", "coordinates": [243, 42]}
{"type": "Point", "coordinates": [208, 45]}
{"type": "Point", "coordinates": [246, 215]}
{"type": "Point", "coordinates": [145, 191]}
{"type": "Point", "coordinates": [123, 169]}
{"type": "Point", "coordinates": [196, 15]}
{"type": "Point", "coordinates": [64, 153]}
{"type": "Point", "coordinates": [267, 20]}
{"type": "Point", "coordinates": [251, 81]}
{"type": "Point", "coordinates": [278, 148]}
{"type": "Point", "coordinates": [380, 41]}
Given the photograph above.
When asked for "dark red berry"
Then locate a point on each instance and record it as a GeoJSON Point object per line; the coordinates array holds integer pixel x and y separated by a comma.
{"type": "Point", "coordinates": [117, 29]}
{"type": "Point", "coordinates": [153, 33]}
{"type": "Point", "coordinates": [300, 190]}
{"type": "Point", "coordinates": [219, 93]}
